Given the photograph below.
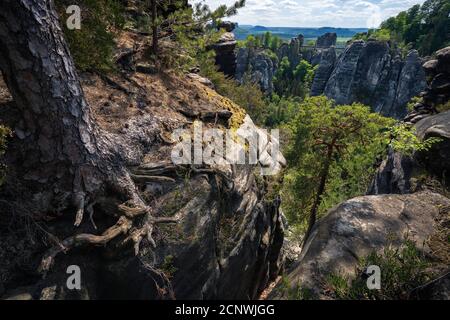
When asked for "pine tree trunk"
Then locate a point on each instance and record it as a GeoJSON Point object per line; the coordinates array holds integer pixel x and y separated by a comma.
{"type": "Point", "coordinates": [65, 155]}
{"type": "Point", "coordinates": [56, 128]}
{"type": "Point", "coordinates": [321, 190]}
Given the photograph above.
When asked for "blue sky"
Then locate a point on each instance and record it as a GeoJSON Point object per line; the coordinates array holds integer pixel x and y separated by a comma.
{"type": "Point", "coordinates": [317, 13]}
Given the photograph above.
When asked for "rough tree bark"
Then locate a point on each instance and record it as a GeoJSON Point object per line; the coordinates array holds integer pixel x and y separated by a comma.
{"type": "Point", "coordinates": [65, 155]}
{"type": "Point", "coordinates": [57, 129]}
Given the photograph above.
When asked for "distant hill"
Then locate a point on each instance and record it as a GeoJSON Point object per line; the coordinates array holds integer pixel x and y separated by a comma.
{"type": "Point", "coordinates": [259, 29]}
{"type": "Point", "coordinates": [242, 31]}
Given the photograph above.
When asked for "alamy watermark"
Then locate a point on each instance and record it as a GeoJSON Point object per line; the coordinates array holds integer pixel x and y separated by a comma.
{"type": "Point", "coordinates": [73, 22]}
{"type": "Point", "coordinates": [74, 280]}
{"type": "Point", "coordinates": [374, 279]}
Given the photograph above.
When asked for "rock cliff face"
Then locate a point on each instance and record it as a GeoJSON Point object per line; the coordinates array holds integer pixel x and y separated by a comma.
{"type": "Point", "coordinates": [437, 94]}
{"type": "Point", "coordinates": [327, 40]}
{"type": "Point", "coordinates": [259, 66]}
{"type": "Point", "coordinates": [371, 73]}
{"type": "Point", "coordinates": [325, 68]}
{"type": "Point", "coordinates": [360, 226]}
{"type": "Point", "coordinates": [409, 195]}
{"type": "Point", "coordinates": [368, 72]}
{"type": "Point", "coordinates": [227, 242]}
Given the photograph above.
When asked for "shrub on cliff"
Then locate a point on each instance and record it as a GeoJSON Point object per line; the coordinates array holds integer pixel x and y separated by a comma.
{"type": "Point", "coordinates": [403, 270]}
{"type": "Point", "coordinates": [92, 46]}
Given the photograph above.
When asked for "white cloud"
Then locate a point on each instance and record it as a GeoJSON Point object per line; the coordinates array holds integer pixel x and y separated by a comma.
{"type": "Point", "coordinates": [317, 13]}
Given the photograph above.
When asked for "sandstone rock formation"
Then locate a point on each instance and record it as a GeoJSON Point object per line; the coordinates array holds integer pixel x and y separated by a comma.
{"type": "Point", "coordinates": [259, 66]}
{"type": "Point", "coordinates": [327, 40]}
{"type": "Point", "coordinates": [437, 94]}
{"type": "Point", "coordinates": [292, 50]}
{"type": "Point", "coordinates": [225, 53]}
{"type": "Point", "coordinates": [358, 227]}
{"type": "Point", "coordinates": [397, 173]}
{"type": "Point", "coordinates": [325, 68]}
{"type": "Point", "coordinates": [373, 74]}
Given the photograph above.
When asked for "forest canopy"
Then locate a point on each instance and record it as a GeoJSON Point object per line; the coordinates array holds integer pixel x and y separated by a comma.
{"type": "Point", "coordinates": [423, 27]}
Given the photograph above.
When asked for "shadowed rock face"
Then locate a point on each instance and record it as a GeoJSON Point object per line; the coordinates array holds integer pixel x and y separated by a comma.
{"type": "Point", "coordinates": [437, 94]}
{"type": "Point", "coordinates": [327, 40]}
{"type": "Point", "coordinates": [227, 247]}
{"type": "Point", "coordinates": [356, 228]}
{"type": "Point", "coordinates": [292, 50]}
{"type": "Point", "coordinates": [326, 65]}
{"type": "Point", "coordinates": [262, 68]}
{"type": "Point", "coordinates": [395, 173]}
{"type": "Point", "coordinates": [370, 73]}
{"type": "Point", "coordinates": [225, 53]}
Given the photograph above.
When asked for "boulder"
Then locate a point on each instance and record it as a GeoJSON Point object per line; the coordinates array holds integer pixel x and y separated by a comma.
{"type": "Point", "coordinates": [430, 67]}
{"type": "Point", "coordinates": [358, 227]}
{"type": "Point", "coordinates": [443, 57]}
{"type": "Point", "coordinates": [441, 84]}
{"type": "Point", "coordinates": [200, 79]}
{"type": "Point", "coordinates": [228, 26]}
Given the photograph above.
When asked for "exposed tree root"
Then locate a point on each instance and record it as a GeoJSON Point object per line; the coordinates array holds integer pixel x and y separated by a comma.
{"type": "Point", "coordinates": [121, 227]}
{"type": "Point", "coordinates": [129, 225]}
{"type": "Point", "coordinates": [124, 226]}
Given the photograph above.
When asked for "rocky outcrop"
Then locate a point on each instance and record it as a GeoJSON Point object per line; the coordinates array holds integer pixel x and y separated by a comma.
{"type": "Point", "coordinates": [397, 174]}
{"type": "Point", "coordinates": [325, 68]}
{"type": "Point", "coordinates": [356, 228]}
{"type": "Point", "coordinates": [228, 26]}
{"type": "Point", "coordinates": [327, 40]}
{"type": "Point", "coordinates": [227, 240]}
{"type": "Point", "coordinates": [394, 175]}
{"type": "Point", "coordinates": [374, 74]}
{"type": "Point", "coordinates": [437, 160]}
{"type": "Point", "coordinates": [225, 53]}
{"type": "Point", "coordinates": [257, 65]}
{"type": "Point", "coordinates": [437, 94]}
{"type": "Point", "coordinates": [292, 50]}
